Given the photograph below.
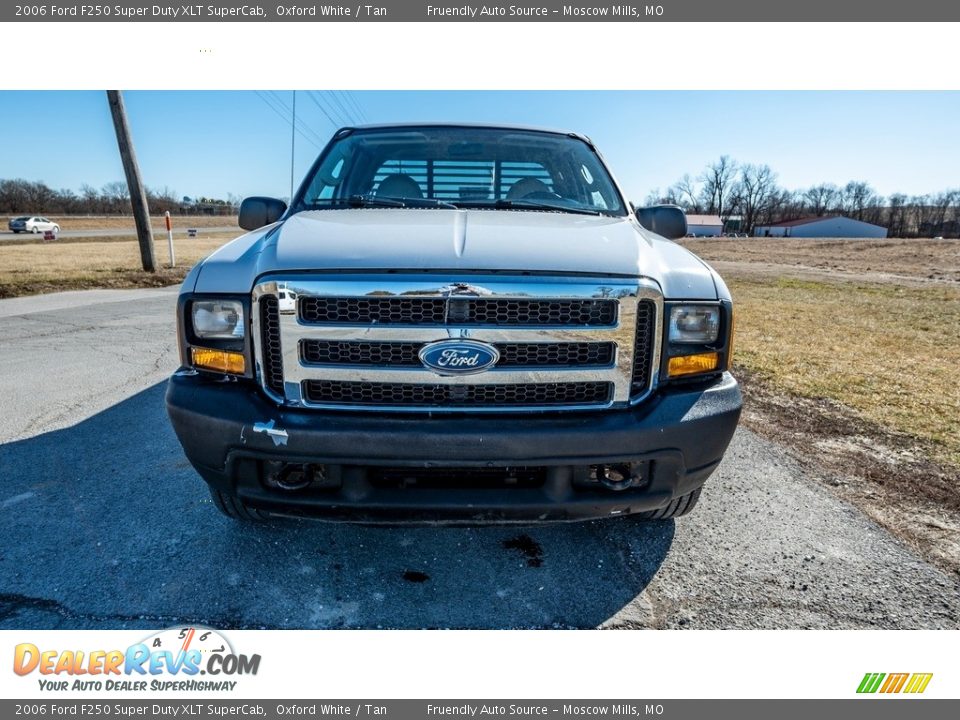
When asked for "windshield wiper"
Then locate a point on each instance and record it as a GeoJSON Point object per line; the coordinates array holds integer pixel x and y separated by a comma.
{"type": "Point", "coordinates": [373, 201]}
{"type": "Point", "coordinates": [380, 201]}
{"type": "Point", "coordinates": [360, 201]}
{"type": "Point", "coordinates": [503, 203]}
{"type": "Point", "coordinates": [428, 202]}
{"type": "Point", "coordinates": [356, 201]}
{"type": "Point", "coordinates": [431, 202]}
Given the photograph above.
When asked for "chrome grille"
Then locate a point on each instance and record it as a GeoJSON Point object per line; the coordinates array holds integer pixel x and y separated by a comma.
{"type": "Point", "coordinates": [462, 396]}
{"type": "Point", "coordinates": [373, 311]}
{"type": "Point", "coordinates": [458, 311]}
{"type": "Point", "coordinates": [373, 354]}
{"type": "Point", "coordinates": [270, 343]}
{"type": "Point", "coordinates": [353, 341]}
{"type": "Point", "coordinates": [642, 357]}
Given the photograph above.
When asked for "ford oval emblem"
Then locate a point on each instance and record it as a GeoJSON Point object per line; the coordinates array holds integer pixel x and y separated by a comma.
{"type": "Point", "coordinates": [459, 357]}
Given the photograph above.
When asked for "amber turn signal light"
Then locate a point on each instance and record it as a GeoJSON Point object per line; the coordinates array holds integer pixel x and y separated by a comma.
{"type": "Point", "coordinates": [693, 364]}
{"type": "Point", "coordinates": [218, 360]}
{"type": "Point", "coordinates": [733, 331]}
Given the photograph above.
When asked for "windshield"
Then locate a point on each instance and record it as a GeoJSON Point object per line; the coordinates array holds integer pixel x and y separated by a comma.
{"type": "Point", "coordinates": [461, 167]}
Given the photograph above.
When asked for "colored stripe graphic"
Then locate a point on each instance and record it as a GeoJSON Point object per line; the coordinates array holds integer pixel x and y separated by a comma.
{"type": "Point", "coordinates": [894, 682]}
{"type": "Point", "coordinates": [870, 682]}
{"type": "Point", "coordinates": [918, 682]}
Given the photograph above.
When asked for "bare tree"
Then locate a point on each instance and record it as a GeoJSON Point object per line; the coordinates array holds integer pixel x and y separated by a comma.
{"type": "Point", "coordinates": [941, 203]}
{"type": "Point", "coordinates": [919, 215]}
{"type": "Point", "coordinates": [687, 194]}
{"type": "Point", "coordinates": [755, 190]}
{"type": "Point", "coordinates": [820, 198]}
{"type": "Point", "coordinates": [717, 180]}
{"type": "Point", "coordinates": [117, 196]}
{"type": "Point", "coordinates": [655, 197]}
{"type": "Point", "coordinates": [896, 215]}
{"type": "Point", "coordinates": [90, 199]}
{"type": "Point", "coordinates": [858, 196]}
{"type": "Point", "coordinates": [953, 227]}
{"type": "Point", "coordinates": [19, 196]}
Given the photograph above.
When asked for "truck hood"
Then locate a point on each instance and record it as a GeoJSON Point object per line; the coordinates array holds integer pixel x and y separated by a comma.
{"type": "Point", "coordinates": [372, 239]}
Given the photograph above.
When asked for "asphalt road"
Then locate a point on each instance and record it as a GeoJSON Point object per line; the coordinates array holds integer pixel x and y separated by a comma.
{"type": "Point", "coordinates": [111, 232]}
{"type": "Point", "coordinates": [103, 524]}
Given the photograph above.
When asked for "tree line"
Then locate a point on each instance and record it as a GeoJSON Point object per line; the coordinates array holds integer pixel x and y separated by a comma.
{"type": "Point", "coordinates": [746, 196]}
{"type": "Point", "coordinates": [23, 196]}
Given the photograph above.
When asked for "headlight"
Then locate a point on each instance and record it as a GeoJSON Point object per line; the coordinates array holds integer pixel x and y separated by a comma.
{"type": "Point", "coordinates": [218, 319]}
{"type": "Point", "coordinates": [696, 324]}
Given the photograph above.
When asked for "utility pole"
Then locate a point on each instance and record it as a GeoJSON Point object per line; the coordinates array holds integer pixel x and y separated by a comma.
{"type": "Point", "coordinates": [138, 198]}
{"type": "Point", "coordinates": [293, 141]}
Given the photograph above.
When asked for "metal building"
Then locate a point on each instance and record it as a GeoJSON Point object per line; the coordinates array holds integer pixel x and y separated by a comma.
{"type": "Point", "coordinates": [704, 226]}
{"type": "Point", "coordinates": [827, 226]}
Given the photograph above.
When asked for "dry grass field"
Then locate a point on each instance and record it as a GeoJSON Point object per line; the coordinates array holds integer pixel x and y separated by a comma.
{"type": "Point", "coordinates": [29, 268]}
{"type": "Point", "coordinates": [848, 352]}
{"type": "Point", "coordinates": [896, 259]}
{"type": "Point", "coordinates": [114, 222]}
{"type": "Point", "coordinates": [890, 352]}
{"type": "Point", "coordinates": [872, 324]}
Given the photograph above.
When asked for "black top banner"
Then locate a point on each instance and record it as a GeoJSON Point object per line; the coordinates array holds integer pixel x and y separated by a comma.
{"type": "Point", "coordinates": [522, 11]}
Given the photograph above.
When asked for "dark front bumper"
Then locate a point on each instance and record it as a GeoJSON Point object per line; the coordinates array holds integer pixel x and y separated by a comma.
{"type": "Point", "coordinates": [233, 436]}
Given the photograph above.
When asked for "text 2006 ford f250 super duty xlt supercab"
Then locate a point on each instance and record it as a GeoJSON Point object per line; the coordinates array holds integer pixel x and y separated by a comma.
{"type": "Point", "coordinates": [455, 323]}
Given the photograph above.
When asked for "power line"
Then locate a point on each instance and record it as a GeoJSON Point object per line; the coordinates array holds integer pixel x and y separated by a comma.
{"type": "Point", "coordinates": [313, 96]}
{"type": "Point", "coordinates": [356, 104]}
{"type": "Point", "coordinates": [338, 116]}
{"type": "Point", "coordinates": [286, 117]}
{"type": "Point", "coordinates": [352, 97]}
{"type": "Point", "coordinates": [346, 113]}
{"type": "Point", "coordinates": [270, 105]}
{"type": "Point", "coordinates": [300, 121]}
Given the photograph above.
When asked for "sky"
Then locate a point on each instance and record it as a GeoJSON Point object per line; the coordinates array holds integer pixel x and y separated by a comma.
{"type": "Point", "coordinates": [215, 143]}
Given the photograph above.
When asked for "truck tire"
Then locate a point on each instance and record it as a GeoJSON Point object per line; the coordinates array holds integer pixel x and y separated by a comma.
{"type": "Point", "coordinates": [235, 509]}
{"type": "Point", "coordinates": [681, 506]}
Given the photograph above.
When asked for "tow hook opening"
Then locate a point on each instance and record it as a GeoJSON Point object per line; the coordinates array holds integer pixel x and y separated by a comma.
{"type": "Point", "coordinates": [619, 476]}
{"type": "Point", "coordinates": [293, 476]}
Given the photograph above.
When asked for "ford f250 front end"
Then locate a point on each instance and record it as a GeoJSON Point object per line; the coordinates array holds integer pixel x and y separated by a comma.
{"type": "Point", "coordinates": [455, 324]}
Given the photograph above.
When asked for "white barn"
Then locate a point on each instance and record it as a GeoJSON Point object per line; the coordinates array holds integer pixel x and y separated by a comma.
{"type": "Point", "coordinates": [829, 226]}
{"type": "Point", "coordinates": [704, 225]}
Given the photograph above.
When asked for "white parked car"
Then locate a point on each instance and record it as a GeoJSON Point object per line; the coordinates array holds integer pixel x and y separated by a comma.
{"type": "Point", "coordinates": [32, 224]}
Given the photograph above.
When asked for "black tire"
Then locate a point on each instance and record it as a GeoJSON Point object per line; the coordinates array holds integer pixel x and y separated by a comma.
{"type": "Point", "coordinates": [680, 506]}
{"type": "Point", "coordinates": [235, 509]}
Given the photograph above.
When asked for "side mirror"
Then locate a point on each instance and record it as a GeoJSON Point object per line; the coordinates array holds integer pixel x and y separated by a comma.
{"type": "Point", "coordinates": [666, 220]}
{"type": "Point", "coordinates": [255, 212]}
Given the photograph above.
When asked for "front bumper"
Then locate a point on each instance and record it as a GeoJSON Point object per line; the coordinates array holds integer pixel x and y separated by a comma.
{"type": "Point", "coordinates": [234, 437]}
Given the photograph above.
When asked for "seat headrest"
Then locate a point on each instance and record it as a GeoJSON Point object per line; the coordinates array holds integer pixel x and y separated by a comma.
{"type": "Point", "coordinates": [399, 186]}
{"type": "Point", "coordinates": [526, 186]}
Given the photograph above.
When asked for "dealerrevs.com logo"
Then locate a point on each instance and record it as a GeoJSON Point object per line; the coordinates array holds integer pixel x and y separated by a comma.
{"type": "Point", "coordinates": [170, 660]}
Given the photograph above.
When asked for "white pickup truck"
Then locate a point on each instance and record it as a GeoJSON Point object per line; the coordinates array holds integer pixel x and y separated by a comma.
{"type": "Point", "coordinates": [455, 323]}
